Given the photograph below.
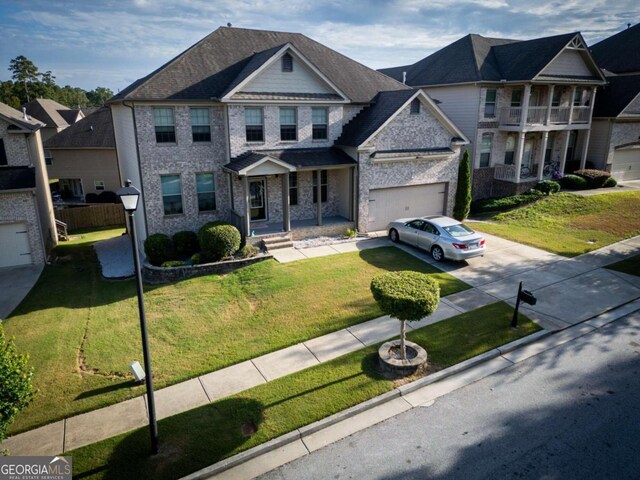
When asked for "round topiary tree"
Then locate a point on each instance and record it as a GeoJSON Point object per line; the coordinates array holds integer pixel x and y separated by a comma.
{"type": "Point", "coordinates": [407, 296]}
{"type": "Point", "coordinates": [463, 191]}
{"type": "Point", "coordinates": [185, 243]}
{"type": "Point", "coordinates": [219, 241]}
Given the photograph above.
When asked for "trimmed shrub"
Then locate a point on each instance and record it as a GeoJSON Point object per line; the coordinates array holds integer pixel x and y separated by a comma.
{"type": "Point", "coordinates": [610, 182]}
{"type": "Point", "coordinates": [158, 248]}
{"type": "Point", "coordinates": [351, 233]}
{"type": "Point", "coordinates": [573, 182]}
{"type": "Point", "coordinates": [174, 263]}
{"type": "Point", "coordinates": [548, 187]}
{"type": "Point", "coordinates": [185, 243]}
{"type": "Point", "coordinates": [107, 197]}
{"type": "Point", "coordinates": [463, 193]}
{"type": "Point", "coordinates": [499, 204]}
{"type": "Point", "coordinates": [196, 259]}
{"type": "Point", "coordinates": [91, 198]}
{"type": "Point", "coordinates": [247, 251]}
{"type": "Point", "coordinates": [215, 223]}
{"type": "Point", "coordinates": [219, 241]}
{"type": "Point", "coordinates": [16, 389]}
{"type": "Point", "coordinates": [594, 178]}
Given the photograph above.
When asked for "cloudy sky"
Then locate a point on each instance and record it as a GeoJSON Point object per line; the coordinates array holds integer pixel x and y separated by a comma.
{"type": "Point", "coordinates": [111, 43]}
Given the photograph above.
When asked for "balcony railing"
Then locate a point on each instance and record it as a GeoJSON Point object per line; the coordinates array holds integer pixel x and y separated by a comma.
{"type": "Point", "coordinates": [505, 172]}
{"type": "Point", "coordinates": [512, 116]}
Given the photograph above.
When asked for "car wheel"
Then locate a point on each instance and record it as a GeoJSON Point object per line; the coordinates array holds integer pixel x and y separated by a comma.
{"type": "Point", "coordinates": [437, 253]}
{"type": "Point", "coordinates": [393, 235]}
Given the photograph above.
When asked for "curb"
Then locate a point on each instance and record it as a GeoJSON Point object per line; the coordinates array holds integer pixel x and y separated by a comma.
{"type": "Point", "coordinates": [302, 432]}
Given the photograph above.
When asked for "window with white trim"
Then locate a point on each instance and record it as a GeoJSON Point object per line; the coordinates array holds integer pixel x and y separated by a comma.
{"type": "Point", "coordinates": [490, 103]}
{"type": "Point", "coordinates": [485, 150]}
{"type": "Point", "coordinates": [206, 191]}
{"type": "Point", "coordinates": [288, 125]}
{"type": "Point", "coordinates": [509, 150]}
{"type": "Point", "coordinates": [319, 120]}
{"type": "Point", "coordinates": [254, 124]}
{"type": "Point", "coordinates": [171, 194]}
{"type": "Point", "coordinates": [164, 125]}
{"type": "Point", "coordinates": [48, 157]}
{"type": "Point", "coordinates": [516, 97]}
{"type": "Point", "coordinates": [287, 63]}
{"type": "Point", "coordinates": [200, 125]}
{"type": "Point", "coordinates": [98, 185]}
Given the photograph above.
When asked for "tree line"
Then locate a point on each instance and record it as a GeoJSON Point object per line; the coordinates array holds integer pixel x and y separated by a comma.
{"type": "Point", "coordinates": [28, 83]}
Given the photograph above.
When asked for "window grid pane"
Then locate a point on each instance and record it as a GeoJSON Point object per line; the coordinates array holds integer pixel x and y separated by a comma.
{"type": "Point", "coordinates": [253, 116]}
{"type": "Point", "coordinates": [200, 116]}
{"type": "Point", "coordinates": [171, 194]}
{"type": "Point", "coordinates": [293, 188]}
{"type": "Point", "coordinates": [319, 116]}
{"type": "Point", "coordinates": [163, 117]}
{"type": "Point", "coordinates": [205, 187]}
{"type": "Point", "coordinates": [485, 151]}
{"type": "Point", "coordinates": [288, 124]}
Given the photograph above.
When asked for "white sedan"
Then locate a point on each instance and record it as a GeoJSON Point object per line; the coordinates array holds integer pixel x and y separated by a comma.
{"type": "Point", "coordinates": [443, 237]}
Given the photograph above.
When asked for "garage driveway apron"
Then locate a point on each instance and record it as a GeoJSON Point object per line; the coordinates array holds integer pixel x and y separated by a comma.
{"type": "Point", "coordinates": [15, 283]}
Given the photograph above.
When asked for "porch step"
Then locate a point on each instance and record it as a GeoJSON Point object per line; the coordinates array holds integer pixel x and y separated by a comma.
{"type": "Point", "coordinates": [277, 242]}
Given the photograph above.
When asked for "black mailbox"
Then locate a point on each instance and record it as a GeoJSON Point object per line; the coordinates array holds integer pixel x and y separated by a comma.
{"type": "Point", "coordinates": [527, 297]}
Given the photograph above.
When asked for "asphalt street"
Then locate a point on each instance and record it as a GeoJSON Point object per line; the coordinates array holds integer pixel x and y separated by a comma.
{"type": "Point", "coordinates": [572, 412]}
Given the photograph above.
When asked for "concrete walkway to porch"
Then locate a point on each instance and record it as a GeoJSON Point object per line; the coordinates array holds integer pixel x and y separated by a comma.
{"type": "Point", "coordinates": [569, 291]}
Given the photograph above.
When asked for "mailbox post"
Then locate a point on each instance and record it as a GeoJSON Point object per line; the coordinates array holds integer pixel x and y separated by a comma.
{"type": "Point", "coordinates": [525, 296]}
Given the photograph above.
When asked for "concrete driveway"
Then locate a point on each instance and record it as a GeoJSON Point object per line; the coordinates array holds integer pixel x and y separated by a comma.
{"type": "Point", "coordinates": [15, 283]}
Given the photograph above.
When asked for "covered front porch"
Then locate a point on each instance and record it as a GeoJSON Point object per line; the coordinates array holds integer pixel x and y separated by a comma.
{"type": "Point", "coordinates": [281, 191]}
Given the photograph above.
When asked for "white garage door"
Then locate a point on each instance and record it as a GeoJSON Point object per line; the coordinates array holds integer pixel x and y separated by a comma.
{"type": "Point", "coordinates": [14, 245]}
{"type": "Point", "coordinates": [626, 165]}
{"type": "Point", "coordinates": [388, 204]}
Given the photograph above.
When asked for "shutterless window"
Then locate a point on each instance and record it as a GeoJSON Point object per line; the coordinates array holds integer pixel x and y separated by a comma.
{"type": "Point", "coordinates": [555, 100]}
{"type": "Point", "coordinates": [254, 124]}
{"type": "Point", "coordinates": [549, 151]}
{"type": "Point", "coordinates": [323, 186]}
{"type": "Point", "coordinates": [577, 97]}
{"type": "Point", "coordinates": [319, 119]}
{"type": "Point", "coordinates": [48, 157]}
{"type": "Point", "coordinates": [165, 128]}
{"type": "Point", "coordinates": [206, 189]}
{"type": "Point", "coordinates": [293, 188]}
{"type": "Point", "coordinates": [3, 153]}
{"type": "Point", "coordinates": [490, 103]}
{"type": "Point", "coordinates": [516, 98]}
{"type": "Point", "coordinates": [171, 194]}
{"type": "Point", "coordinates": [509, 150]}
{"type": "Point", "coordinates": [485, 150]}
{"type": "Point", "coordinates": [200, 125]}
{"type": "Point", "coordinates": [288, 124]}
{"type": "Point", "coordinates": [99, 185]}
{"type": "Point", "coordinates": [287, 63]}
{"type": "Point", "coordinates": [415, 106]}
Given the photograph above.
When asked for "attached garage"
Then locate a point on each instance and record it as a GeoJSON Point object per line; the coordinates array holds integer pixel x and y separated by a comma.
{"type": "Point", "coordinates": [388, 204]}
{"type": "Point", "coordinates": [626, 163]}
{"type": "Point", "coordinates": [14, 238]}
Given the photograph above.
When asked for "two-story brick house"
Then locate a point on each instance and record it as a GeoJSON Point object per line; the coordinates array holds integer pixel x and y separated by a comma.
{"type": "Point", "coordinates": [276, 132]}
{"type": "Point", "coordinates": [27, 224]}
{"type": "Point", "coordinates": [523, 104]}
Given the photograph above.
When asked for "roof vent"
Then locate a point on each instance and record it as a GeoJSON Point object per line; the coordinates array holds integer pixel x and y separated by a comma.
{"type": "Point", "coordinates": [229, 24]}
{"type": "Point", "coordinates": [24, 113]}
{"type": "Point", "coordinates": [404, 77]}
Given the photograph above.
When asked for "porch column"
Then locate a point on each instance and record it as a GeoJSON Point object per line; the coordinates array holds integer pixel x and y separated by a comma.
{"type": "Point", "coordinates": [585, 147]}
{"type": "Point", "coordinates": [286, 208]}
{"type": "Point", "coordinates": [233, 207]}
{"type": "Point", "coordinates": [543, 151]}
{"type": "Point", "coordinates": [549, 104]}
{"type": "Point", "coordinates": [573, 95]}
{"type": "Point", "coordinates": [525, 106]}
{"type": "Point", "coordinates": [354, 196]}
{"type": "Point", "coordinates": [563, 153]}
{"type": "Point", "coordinates": [519, 153]}
{"type": "Point", "coordinates": [247, 207]}
{"type": "Point", "coordinates": [319, 197]}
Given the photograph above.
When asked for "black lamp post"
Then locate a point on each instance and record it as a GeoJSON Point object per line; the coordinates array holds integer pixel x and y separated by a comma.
{"type": "Point", "coordinates": [130, 196]}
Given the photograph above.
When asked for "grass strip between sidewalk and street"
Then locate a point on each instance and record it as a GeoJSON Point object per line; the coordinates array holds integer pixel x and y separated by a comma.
{"type": "Point", "coordinates": [203, 436]}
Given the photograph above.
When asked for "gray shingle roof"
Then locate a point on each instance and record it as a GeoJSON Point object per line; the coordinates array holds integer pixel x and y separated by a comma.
{"type": "Point", "coordinates": [612, 99]}
{"type": "Point", "coordinates": [70, 116]}
{"type": "Point", "coordinates": [16, 178]}
{"type": "Point", "coordinates": [207, 69]}
{"type": "Point", "coordinates": [363, 125]}
{"type": "Point", "coordinates": [93, 131]}
{"type": "Point", "coordinates": [475, 58]}
{"type": "Point", "coordinates": [301, 158]}
{"type": "Point", "coordinates": [17, 118]}
{"type": "Point", "coordinates": [47, 111]}
{"type": "Point", "coordinates": [619, 53]}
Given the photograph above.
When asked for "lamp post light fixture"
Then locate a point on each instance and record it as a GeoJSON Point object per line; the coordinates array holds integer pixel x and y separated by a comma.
{"type": "Point", "coordinates": [130, 196]}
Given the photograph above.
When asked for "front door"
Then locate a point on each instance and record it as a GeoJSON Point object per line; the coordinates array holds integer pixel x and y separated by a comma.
{"type": "Point", "coordinates": [258, 199]}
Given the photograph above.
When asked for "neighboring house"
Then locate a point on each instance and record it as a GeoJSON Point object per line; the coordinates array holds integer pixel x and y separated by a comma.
{"type": "Point", "coordinates": [83, 157]}
{"type": "Point", "coordinates": [523, 104]}
{"type": "Point", "coordinates": [276, 132]}
{"type": "Point", "coordinates": [615, 139]}
{"type": "Point", "coordinates": [27, 225]}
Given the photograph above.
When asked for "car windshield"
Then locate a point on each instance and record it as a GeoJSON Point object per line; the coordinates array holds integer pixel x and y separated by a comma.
{"type": "Point", "coordinates": [458, 230]}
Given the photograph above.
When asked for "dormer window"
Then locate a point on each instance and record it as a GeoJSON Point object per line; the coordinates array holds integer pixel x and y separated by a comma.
{"type": "Point", "coordinates": [415, 107]}
{"type": "Point", "coordinates": [287, 63]}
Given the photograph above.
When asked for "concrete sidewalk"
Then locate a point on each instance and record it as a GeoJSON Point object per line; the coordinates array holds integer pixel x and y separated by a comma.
{"type": "Point", "coordinates": [569, 291]}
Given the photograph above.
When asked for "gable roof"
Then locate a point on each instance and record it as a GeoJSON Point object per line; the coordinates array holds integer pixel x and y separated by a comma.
{"type": "Point", "coordinates": [71, 116]}
{"type": "Point", "coordinates": [612, 99]}
{"type": "Point", "coordinates": [207, 69]}
{"type": "Point", "coordinates": [475, 58]}
{"type": "Point", "coordinates": [295, 158]}
{"type": "Point", "coordinates": [619, 53]}
{"type": "Point", "coordinates": [17, 118]}
{"type": "Point", "coordinates": [47, 111]}
{"type": "Point", "coordinates": [93, 131]}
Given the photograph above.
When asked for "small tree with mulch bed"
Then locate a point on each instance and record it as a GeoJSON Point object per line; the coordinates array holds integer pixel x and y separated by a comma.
{"type": "Point", "coordinates": [407, 296]}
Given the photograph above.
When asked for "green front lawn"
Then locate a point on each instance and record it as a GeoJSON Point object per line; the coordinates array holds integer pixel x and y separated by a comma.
{"type": "Point", "coordinates": [569, 224]}
{"type": "Point", "coordinates": [200, 437]}
{"type": "Point", "coordinates": [82, 331]}
{"type": "Point", "coordinates": [630, 266]}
